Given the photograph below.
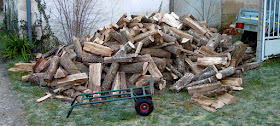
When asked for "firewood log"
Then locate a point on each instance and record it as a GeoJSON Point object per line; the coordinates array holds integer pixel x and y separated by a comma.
{"type": "Point", "coordinates": [144, 35]}
{"type": "Point", "coordinates": [106, 85]}
{"type": "Point", "coordinates": [38, 79]}
{"type": "Point", "coordinates": [125, 49]}
{"type": "Point", "coordinates": [182, 34]}
{"type": "Point", "coordinates": [204, 88]}
{"type": "Point", "coordinates": [156, 52]}
{"type": "Point", "coordinates": [207, 61]}
{"type": "Point", "coordinates": [68, 65]}
{"type": "Point", "coordinates": [78, 47]}
{"type": "Point", "coordinates": [97, 49]}
{"type": "Point", "coordinates": [206, 73]}
{"type": "Point", "coordinates": [74, 79]}
{"type": "Point", "coordinates": [95, 71]}
{"type": "Point", "coordinates": [52, 69]}
{"type": "Point", "coordinates": [182, 82]}
{"type": "Point", "coordinates": [60, 73]}
{"type": "Point", "coordinates": [91, 58]}
{"type": "Point", "coordinates": [214, 41]}
{"type": "Point", "coordinates": [225, 72]}
{"type": "Point", "coordinates": [248, 66]}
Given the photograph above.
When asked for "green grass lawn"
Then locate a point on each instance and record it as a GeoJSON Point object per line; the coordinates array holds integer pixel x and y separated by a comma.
{"type": "Point", "coordinates": [258, 104]}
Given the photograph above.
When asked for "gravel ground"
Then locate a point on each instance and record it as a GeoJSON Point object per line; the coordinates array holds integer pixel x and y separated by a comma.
{"type": "Point", "coordinates": [11, 112]}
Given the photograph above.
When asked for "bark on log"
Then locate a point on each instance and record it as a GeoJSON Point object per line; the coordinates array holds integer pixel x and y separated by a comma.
{"type": "Point", "coordinates": [206, 73]}
{"type": "Point", "coordinates": [195, 26]}
{"type": "Point", "coordinates": [204, 88]}
{"type": "Point", "coordinates": [214, 41]}
{"type": "Point", "coordinates": [125, 49]}
{"type": "Point", "coordinates": [203, 81]}
{"type": "Point", "coordinates": [91, 58]}
{"type": "Point", "coordinates": [146, 19]}
{"type": "Point", "coordinates": [153, 69]}
{"type": "Point", "coordinates": [51, 52]}
{"type": "Point", "coordinates": [122, 59]}
{"type": "Point", "coordinates": [166, 37]}
{"type": "Point", "coordinates": [207, 61]}
{"type": "Point", "coordinates": [238, 55]}
{"type": "Point", "coordinates": [191, 52]}
{"type": "Point", "coordinates": [156, 52]}
{"type": "Point", "coordinates": [173, 49]}
{"type": "Point", "coordinates": [116, 35]}
{"type": "Point", "coordinates": [106, 85]}
{"type": "Point", "coordinates": [120, 21]}
{"type": "Point", "coordinates": [187, 44]}
{"type": "Point", "coordinates": [225, 72]}
{"type": "Point", "coordinates": [182, 34]}
{"type": "Point", "coordinates": [132, 67]}
{"type": "Point", "coordinates": [230, 81]}
{"type": "Point", "coordinates": [25, 78]}
{"type": "Point", "coordinates": [139, 47]}
{"type": "Point", "coordinates": [182, 82]}
{"type": "Point", "coordinates": [202, 39]}
{"type": "Point", "coordinates": [163, 45]}
{"type": "Point", "coordinates": [207, 51]}
{"type": "Point", "coordinates": [181, 63]}
{"type": "Point", "coordinates": [174, 70]}
{"type": "Point", "coordinates": [52, 69]}
{"type": "Point", "coordinates": [68, 65]}
{"type": "Point", "coordinates": [22, 67]}
{"type": "Point", "coordinates": [144, 35]}
{"type": "Point", "coordinates": [74, 79]}
{"type": "Point", "coordinates": [146, 41]}
{"type": "Point", "coordinates": [123, 82]}
{"type": "Point", "coordinates": [116, 84]}
{"type": "Point", "coordinates": [161, 63]}
{"type": "Point", "coordinates": [44, 66]}
{"type": "Point", "coordinates": [38, 79]}
{"type": "Point", "coordinates": [97, 49]}
{"type": "Point", "coordinates": [219, 91]}
{"type": "Point", "coordinates": [78, 47]}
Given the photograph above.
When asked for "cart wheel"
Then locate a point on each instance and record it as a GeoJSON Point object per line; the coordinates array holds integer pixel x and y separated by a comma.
{"type": "Point", "coordinates": [144, 107]}
{"type": "Point", "coordinates": [140, 92]}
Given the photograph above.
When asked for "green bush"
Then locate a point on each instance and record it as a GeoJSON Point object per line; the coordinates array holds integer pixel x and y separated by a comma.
{"type": "Point", "coordinates": [14, 46]}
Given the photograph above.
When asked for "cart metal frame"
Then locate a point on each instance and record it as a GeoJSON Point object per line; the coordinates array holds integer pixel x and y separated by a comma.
{"type": "Point", "coordinates": [114, 97]}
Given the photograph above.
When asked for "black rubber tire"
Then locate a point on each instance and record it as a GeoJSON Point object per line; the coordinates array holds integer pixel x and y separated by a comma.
{"type": "Point", "coordinates": [148, 103]}
{"type": "Point", "coordinates": [140, 92]}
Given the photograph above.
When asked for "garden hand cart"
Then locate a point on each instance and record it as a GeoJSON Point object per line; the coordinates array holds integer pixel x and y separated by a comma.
{"type": "Point", "coordinates": [143, 98]}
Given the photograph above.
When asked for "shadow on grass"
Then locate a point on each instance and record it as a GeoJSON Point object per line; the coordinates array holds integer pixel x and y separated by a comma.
{"type": "Point", "coordinates": [258, 104]}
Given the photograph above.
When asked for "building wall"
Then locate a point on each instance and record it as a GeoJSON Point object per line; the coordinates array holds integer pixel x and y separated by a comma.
{"type": "Point", "coordinates": [233, 6]}
{"type": "Point", "coordinates": [209, 10]}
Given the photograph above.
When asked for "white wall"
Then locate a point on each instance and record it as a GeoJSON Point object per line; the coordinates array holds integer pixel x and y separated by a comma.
{"type": "Point", "coordinates": [195, 6]}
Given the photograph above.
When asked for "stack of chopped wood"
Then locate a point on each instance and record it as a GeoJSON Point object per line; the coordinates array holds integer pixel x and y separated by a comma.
{"type": "Point", "coordinates": [180, 51]}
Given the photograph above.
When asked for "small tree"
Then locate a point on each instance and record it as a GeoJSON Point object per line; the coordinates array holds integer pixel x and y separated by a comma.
{"type": "Point", "coordinates": [77, 17]}
{"type": "Point", "coordinates": [207, 10]}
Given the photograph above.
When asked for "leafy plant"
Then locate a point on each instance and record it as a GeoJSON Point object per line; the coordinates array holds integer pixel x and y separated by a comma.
{"type": "Point", "coordinates": [15, 46]}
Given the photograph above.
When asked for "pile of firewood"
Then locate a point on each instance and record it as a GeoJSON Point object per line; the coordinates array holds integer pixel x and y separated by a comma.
{"type": "Point", "coordinates": [178, 51]}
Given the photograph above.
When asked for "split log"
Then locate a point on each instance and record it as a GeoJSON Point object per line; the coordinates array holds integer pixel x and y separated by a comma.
{"type": "Point", "coordinates": [123, 82]}
{"type": "Point", "coordinates": [182, 82]}
{"type": "Point", "coordinates": [173, 49]}
{"type": "Point", "coordinates": [51, 52]}
{"type": "Point", "coordinates": [191, 52]}
{"type": "Point", "coordinates": [120, 21]}
{"type": "Point", "coordinates": [227, 98]}
{"type": "Point", "coordinates": [146, 19]}
{"type": "Point", "coordinates": [204, 88]}
{"type": "Point", "coordinates": [136, 19]}
{"type": "Point", "coordinates": [207, 51]}
{"type": "Point", "coordinates": [106, 85]}
{"type": "Point", "coordinates": [131, 25]}
{"type": "Point", "coordinates": [74, 79]}
{"type": "Point", "coordinates": [44, 97]}
{"type": "Point", "coordinates": [193, 66]}
{"type": "Point", "coordinates": [202, 39]}
{"type": "Point", "coordinates": [124, 35]}
{"type": "Point", "coordinates": [22, 67]}
{"type": "Point", "coordinates": [52, 69]}
{"type": "Point", "coordinates": [80, 88]}
{"type": "Point", "coordinates": [248, 66]}
{"type": "Point", "coordinates": [25, 78]}
{"type": "Point", "coordinates": [78, 47]}
{"type": "Point", "coordinates": [214, 41]}
{"type": "Point", "coordinates": [181, 63]}
{"type": "Point", "coordinates": [163, 45]}
{"type": "Point", "coordinates": [116, 35]}
{"type": "Point", "coordinates": [232, 81]}
{"type": "Point", "coordinates": [146, 81]}
{"type": "Point", "coordinates": [38, 79]}
{"type": "Point", "coordinates": [174, 70]}
{"type": "Point", "coordinates": [196, 26]}
{"type": "Point", "coordinates": [238, 74]}
{"type": "Point", "coordinates": [125, 49]}
{"type": "Point", "coordinates": [139, 47]}
{"type": "Point", "coordinates": [116, 84]}
{"type": "Point", "coordinates": [121, 59]}
{"type": "Point", "coordinates": [95, 72]}
{"type": "Point", "coordinates": [153, 69]}
{"type": "Point", "coordinates": [91, 58]}
{"type": "Point", "coordinates": [132, 67]}
{"type": "Point", "coordinates": [68, 65]}
{"type": "Point", "coordinates": [187, 44]}
{"type": "Point", "coordinates": [182, 34]}
{"type": "Point", "coordinates": [156, 52]}
{"type": "Point", "coordinates": [43, 66]}
{"type": "Point", "coordinates": [144, 35]}
{"type": "Point", "coordinates": [238, 55]}
{"type": "Point", "coordinates": [79, 99]}
{"type": "Point", "coordinates": [203, 81]}
{"type": "Point", "coordinates": [146, 41]}
{"type": "Point", "coordinates": [161, 63]}
{"type": "Point", "coordinates": [206, 73]}
{"type": "Point", "coordinates": [82, 67]}
{"type": "Point", "coordinates": [170, 20]}
{"type": "Point", "coordinates": [97, 49]}
{"type": "Point", "coordinates": [219, 91]}
{"type": "Point", "coordinates": [132, 80]}
{"type": "Point", "coordinates": [166, 37]}
{"type": "Point", "coordinates": [40, 62]}
{"type": "Point", "coordinates": [60, 73]}
{"type": "Point", "coordinates": [207, 61]}
{"type": "Point", "coordinates": [225, 72]}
